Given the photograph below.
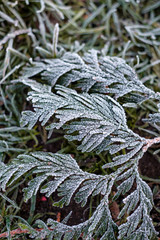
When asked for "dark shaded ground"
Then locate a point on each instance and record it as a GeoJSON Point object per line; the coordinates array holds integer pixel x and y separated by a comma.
{"type": "Point", "coordinates": [44, 207]}
{"type": "Point", "coordinates": [150, 167]}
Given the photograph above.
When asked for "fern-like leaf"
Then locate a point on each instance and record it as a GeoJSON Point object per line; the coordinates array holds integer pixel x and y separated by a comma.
{"type": "Point", "coordinates": [99, 122]}
{"type": "Point", "coordinates": [92, 73]}
{"type": "Point", "coordinates": [137, 205]}
{"type": "Point", "coordinates": [67, 178]}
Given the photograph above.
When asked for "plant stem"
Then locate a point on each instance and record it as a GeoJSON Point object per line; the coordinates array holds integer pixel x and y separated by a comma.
{"type": "Point", "coordinates": [150, 142]}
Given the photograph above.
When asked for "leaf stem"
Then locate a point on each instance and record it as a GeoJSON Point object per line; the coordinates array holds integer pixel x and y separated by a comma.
{"type": "Point", "coordinates": [150, 142]}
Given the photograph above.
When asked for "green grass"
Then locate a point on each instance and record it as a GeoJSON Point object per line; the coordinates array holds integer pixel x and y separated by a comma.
{"type": "Point", "coordinates": [128, 29]}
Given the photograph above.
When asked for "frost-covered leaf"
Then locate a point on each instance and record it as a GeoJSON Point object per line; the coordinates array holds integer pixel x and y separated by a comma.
{"type": "Point", "coordinates": [153, 118]}
{"type": "Point", "coordinates": [67, 178]}
{"type": "Point", "coordinates": [94, 119]}
{"type": "Point", "coordinates": [66, 174]}
{"type": "Point", "coordinates": [99, 123]}
{"type": "Point", "coordinates": [92, 73]}
{"type": "Point", "coordinates": [139, 202]}
{"type": "Point", "coordinates": [99, 225]}
{"type": "Point", "coordinates": [144, 34]}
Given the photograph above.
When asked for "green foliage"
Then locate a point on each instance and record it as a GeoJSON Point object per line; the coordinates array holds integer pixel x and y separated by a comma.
{"type": "Point", "coordinates": [89, 103]}
{"type": "Point", "coordinates": [99, 122]}
{"type": "Point", "coordinates": [67, 177]}
{"type": "Point", "coordinates": [92, 73]}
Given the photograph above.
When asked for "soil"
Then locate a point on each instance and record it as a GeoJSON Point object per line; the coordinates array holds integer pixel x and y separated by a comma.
{"type": "Point", "coordinates": [44, 207]}
{"type": "Point", "coordinates": [149, 166]}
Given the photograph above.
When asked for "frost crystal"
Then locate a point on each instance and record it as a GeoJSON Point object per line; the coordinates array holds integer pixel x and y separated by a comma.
{"type": "Point", "coordinates": [98, 122]}
{"type": "Point", "coordinates": [92, 73]}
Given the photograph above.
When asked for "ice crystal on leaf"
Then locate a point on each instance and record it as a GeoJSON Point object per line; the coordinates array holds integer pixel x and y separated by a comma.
{"type": "Point", "coordinates": [67, 177]}
{"type": "Point", "coordinates": [98, 122]}
{"type": "Point", "coordinates": [92, 73]}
